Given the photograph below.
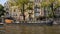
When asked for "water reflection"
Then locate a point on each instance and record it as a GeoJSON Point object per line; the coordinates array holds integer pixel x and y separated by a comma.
{"type": "Point", "coordinates": [31, 29]}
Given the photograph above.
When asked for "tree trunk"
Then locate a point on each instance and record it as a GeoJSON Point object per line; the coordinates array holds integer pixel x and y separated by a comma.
{"type": "Point", "coordinates": [44, 12]}
{"type": "Point", "coordinates": [52, 9]}
{"type": "Point", "coordinates": [23, 11]}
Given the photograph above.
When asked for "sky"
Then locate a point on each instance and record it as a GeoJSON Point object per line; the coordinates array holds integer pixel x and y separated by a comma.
{"type": "Point", "coordinates": [2, 1]}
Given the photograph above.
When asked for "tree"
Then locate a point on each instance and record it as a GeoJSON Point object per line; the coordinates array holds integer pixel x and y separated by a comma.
{"type": "Point", "coordinates": [1, 10]}
{"type": "Point", "coordinates": [49, 4]}
{"type": "Point", "coordinates": [45, 5]}
{"type": "Point", "coordinates": [22, 4]}
{"type": "Point", "coordinates": [30, 6]}
{"type": "Point", "coordinates": [57, 4]}
{"type": "Point", "coordinates": [54, 4]}
{"type": "Point", "coordinates": [52, 7]}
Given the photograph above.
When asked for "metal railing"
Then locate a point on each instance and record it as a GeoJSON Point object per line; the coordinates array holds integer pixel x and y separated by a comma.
{"type": "Point", "coordinates": [34, 21]}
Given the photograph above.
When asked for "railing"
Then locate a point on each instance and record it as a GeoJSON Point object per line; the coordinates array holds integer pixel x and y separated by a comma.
{"type": "Point", "coordinates": [34, 21]}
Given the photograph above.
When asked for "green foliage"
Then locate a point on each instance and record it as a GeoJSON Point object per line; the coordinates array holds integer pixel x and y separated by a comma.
{"type": "Point", "coordinates": [51, 1]}
{"type": "Point", "coordinates": [45, 4]}
{"type": "Point", "coordinates": [22, 1]}
{"type": "Point", "coordinates": [1, 7]}
{"type": "Point", "coordinates": [1, 10]}
{"type": "Point", "coordinates": [19, 2]}
{"type": "Point", "coordinates": [30, 6]}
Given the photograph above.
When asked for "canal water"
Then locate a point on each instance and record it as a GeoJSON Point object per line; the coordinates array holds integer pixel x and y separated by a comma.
{"type": "Point", "coordinates": [30, 29]}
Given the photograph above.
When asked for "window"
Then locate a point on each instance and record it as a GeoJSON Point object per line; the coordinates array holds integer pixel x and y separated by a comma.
{"type": "Point", "coordinates": [7, 9]}
{"type": "Point", "coordinates": [7, 13]}
{"type": "Point", "coordinates": [37, 14]}
{"type": "Point", "coordinates": [14, 10]}
{"type": "Point", "coordinates": [40, 0]}
{"type": "Point", "coordinates": [37, 1]}
{"type": "Point", "coordinates": [16, 14]}
{"type": "Point", "coordinates": [37, 9]}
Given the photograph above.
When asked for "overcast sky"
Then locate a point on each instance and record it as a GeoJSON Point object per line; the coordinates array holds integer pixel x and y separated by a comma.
{"type": "Point", "coordinates": [2, 1]}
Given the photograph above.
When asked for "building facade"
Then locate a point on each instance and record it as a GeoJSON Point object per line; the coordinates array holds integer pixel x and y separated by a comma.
{"type": "Point", "coordinates": [30, 14]}
{"type": "Point", "coordinates": [6, 8]}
